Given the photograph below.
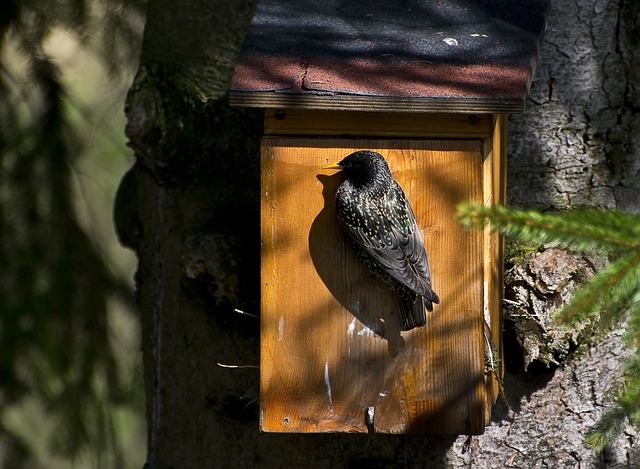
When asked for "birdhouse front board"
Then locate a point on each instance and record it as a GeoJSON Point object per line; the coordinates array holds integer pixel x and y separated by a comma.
{"type": "Point", "coordinates": [333, 355]}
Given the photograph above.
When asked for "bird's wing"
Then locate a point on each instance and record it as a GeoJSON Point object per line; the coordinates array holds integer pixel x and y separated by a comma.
{"type": "Point", "coordinates": [406, 248]}
{"type": "Point", "coordinates": [388, 234]}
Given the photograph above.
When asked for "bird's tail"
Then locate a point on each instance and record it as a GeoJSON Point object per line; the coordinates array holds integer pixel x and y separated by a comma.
{"type": "Point", "coordinates": [412, 312]}
{"type": "Point", "coordinates": [413, 309]}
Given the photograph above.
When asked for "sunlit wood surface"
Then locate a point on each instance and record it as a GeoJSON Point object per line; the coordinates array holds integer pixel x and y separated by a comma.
{"type": "Point", "coordinates": [331, 344]}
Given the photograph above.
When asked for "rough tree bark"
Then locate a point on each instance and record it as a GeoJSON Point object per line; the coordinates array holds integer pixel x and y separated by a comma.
{"type": "Point", "coordinates": [189, 208]}
{"type": "Point", "coordinates": [577, 143]}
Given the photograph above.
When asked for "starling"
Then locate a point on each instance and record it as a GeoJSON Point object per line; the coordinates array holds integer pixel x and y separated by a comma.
{"type": "Point", "coordinates": [380, 224]}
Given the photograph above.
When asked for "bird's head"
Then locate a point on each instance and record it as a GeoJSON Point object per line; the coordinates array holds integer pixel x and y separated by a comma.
{"type": "Point", "coordinates": [363, 167]}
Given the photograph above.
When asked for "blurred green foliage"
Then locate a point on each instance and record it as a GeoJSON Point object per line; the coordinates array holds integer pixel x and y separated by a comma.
{"type": "Point", "coordinates": [71, 391]}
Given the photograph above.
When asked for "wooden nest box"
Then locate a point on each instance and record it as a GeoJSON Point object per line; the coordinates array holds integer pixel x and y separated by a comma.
{"type": "Point", "coordinates": [429, 85]}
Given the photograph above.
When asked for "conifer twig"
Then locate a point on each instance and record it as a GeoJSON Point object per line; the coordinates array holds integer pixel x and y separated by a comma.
{"type": "Point", "coordinates": [603, 298]}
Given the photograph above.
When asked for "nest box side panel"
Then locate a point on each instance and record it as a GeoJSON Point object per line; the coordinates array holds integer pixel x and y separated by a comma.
{"type": "Point", "coordinates": [495, 192]}
{"type": "Point", "coordinates": [331, 344]}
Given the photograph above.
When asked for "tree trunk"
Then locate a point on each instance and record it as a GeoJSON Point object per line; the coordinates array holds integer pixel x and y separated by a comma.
{"type": "Point", "coordinates": [189, 208]}
{"type": "Point", "coordinates": [577, 143]}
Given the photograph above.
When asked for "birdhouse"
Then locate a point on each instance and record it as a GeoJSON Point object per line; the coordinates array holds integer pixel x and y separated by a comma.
{"type": "Point", "coordinates": [429, 86]}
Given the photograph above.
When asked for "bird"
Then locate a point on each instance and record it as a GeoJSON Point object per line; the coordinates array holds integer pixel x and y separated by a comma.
{"type": "Point", "coordinates": [381, 227]}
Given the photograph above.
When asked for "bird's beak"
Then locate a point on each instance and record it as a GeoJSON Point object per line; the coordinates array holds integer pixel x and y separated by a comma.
{"type": "Point", "coordinates": [333, 166]}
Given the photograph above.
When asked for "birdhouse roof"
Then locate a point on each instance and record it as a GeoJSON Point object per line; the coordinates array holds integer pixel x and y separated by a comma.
{"type": "Point", "coordinates": [411, 56]}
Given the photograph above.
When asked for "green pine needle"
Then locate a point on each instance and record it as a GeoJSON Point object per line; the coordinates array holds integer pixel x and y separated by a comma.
{"type": "Point", "coordinates": [609, 293]}
{"type": "Point", "coordinates": [633, 326]}
{"type": "Point", "coordinates": [608, 427]}
{"type": "Point", "coordinates": [606, 294]}
{"type": "Point", "coordinates": [582, 230]}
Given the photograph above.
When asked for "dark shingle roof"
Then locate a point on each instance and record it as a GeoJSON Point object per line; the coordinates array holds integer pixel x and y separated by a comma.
{"type": "Point", "coordinates": [429, 55]}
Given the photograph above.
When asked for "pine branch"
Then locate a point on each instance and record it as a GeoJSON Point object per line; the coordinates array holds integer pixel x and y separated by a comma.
{"type": "Point", "coordinates": [607, 292]}
{"type": "Point", "coordinates": [591, 229]}
{"type": "Point", "coordinates": [626, 406]}
{"type": "Point", "coordinates": [603, 298]}
{"type": "Point", "coordinates": [632, 335]}
{"type": "Point", "coordinates": [608, 427]}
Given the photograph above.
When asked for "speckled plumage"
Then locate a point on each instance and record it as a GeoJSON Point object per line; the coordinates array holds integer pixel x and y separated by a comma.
{"type": "Point", "coordinates": [375, 214]}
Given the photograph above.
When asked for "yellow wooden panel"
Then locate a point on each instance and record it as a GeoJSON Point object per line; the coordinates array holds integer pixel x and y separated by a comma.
{"type": "Point", "coordinates": [495, 193]}
{"type": "Point", "coordinates": [331, 344]}
{"type": "Point", "coordinates": [380, 124]}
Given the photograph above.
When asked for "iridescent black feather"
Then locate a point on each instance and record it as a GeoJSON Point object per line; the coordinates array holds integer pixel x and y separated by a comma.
{"type": "Point", "coordinates": [380, 223]}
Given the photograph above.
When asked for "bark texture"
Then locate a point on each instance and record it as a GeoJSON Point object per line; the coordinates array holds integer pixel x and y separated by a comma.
{"type": "Point", "coordinates": [535, 287]}
{"type": "Point", "coordinates": [189, 208]}
{"type": "Point", "coordinates": [577, 143]}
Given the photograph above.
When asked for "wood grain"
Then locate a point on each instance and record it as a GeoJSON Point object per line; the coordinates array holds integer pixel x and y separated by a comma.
{"type": "Point", "coordinates": [330, 338]}
{"type": "Point", "coordinates": [495, 192]}
{"type": "Point", "coordinates": [367, 103]}
{"type": "Point", "coordinates": [379, 124]}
